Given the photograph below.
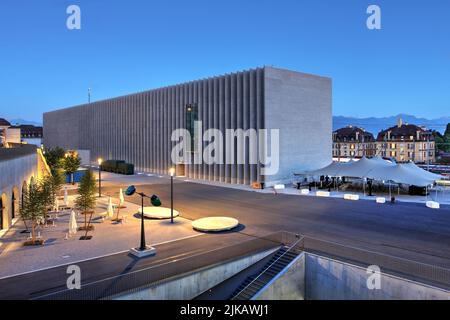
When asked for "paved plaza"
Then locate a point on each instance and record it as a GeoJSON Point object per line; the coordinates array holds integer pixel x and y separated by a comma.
{"type": "Point", "coordinates": [108, 238]}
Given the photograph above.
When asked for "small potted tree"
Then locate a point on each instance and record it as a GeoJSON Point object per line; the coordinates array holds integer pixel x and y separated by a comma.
{"type": "Point", "coordinates": [32, 208]}
{"type": "Point", "coordinates": [85, 202]}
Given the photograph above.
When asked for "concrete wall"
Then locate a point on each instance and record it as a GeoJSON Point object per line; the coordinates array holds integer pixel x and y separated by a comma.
{"type": "Point", "coordinates": [313, 277]}
{"type": "Point", "coordinates": [137, 128]}
{"type": "Point", "coordinates": [300, 105]}
{"type": "Point", "coordinates": [288, 284]}
{"type": "Point", "coordinates": [189, 286]}
{"type": "Point", "coordinates": [330, 279]}
{"type": "Point", "coordinates": [14, 172]}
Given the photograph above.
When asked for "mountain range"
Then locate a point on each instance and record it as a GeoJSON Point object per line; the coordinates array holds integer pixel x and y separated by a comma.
{"type": "Point", "coordinates": [375, 125]}
{"type": "Point", "coordinates": [22, 121]}
{"type": "Point", "coordinates": [371, 124]}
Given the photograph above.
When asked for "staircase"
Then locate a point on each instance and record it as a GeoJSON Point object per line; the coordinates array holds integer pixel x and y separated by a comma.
{"type": "Point", "coordinates": [253, 284]}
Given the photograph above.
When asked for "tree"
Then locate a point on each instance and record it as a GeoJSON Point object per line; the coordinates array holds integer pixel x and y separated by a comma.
{"type": "Point", "coordinates": [85, 202]}
{"type": "Point", "coordinates": [51, 186]}
{"type": "Point", "coordinates": [447, 131]}
{"type": "Point", "coordinates": [32, 208]}
{"type": "Point", "coordinates": [54, 158]}
{"type": "Point", "coordinates": [71, 163]}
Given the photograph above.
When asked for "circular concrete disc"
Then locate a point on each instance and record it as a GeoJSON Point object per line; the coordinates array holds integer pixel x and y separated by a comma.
{"type": "Point", "coordinates": [158, 213]}
{"type": "Point", "coordinates": [215, 224]}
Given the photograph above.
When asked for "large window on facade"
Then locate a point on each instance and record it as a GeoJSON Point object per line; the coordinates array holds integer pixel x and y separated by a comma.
{"type": "Point", "coordinates": [191, 115]}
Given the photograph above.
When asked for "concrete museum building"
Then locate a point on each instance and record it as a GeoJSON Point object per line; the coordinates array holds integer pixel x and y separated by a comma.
{"type": "Point", "coordinates": [138, 128]}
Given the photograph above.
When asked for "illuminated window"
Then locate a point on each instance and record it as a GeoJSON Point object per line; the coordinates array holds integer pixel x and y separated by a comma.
{"type": "Point", "coordinates": [191, 118]}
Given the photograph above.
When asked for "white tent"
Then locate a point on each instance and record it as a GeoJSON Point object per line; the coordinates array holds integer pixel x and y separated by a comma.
{"type": "Point", "coordinates": [379, 169]}
{"type": "Point", "coordinates": [332, 170]}
{"type": "Point", "coordinates": [400, 174]}
{"type": "Point", "coordinates": [412, 166]}
{"type": "Point", "coordinates": [358, 169]}
{"type": "Point", "coordinates": [381, 162]}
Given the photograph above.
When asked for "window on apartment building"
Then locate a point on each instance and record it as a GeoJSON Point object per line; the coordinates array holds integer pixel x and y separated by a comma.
{"type": "Point", "coordinates": [191, 117]}
{"type": "Point", "coordinates": [393, 154]}
{"type": "Point", "coordinates": [393, 145]}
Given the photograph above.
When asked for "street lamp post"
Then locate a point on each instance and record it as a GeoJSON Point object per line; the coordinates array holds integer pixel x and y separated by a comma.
{"type": "Point", "coordinates": [172, 173]}
{"type": "Point", "coordinates": [143, 249]}
{"type": "Point", "coordinates": [100, 161]}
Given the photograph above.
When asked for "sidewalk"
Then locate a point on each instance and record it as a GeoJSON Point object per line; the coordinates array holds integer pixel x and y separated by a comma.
{"type": "Point", "coordinates": [108, 238]}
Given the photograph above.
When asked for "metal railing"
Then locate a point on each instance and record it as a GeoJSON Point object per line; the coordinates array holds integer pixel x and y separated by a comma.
{"type": "Point", "coordinates": [292, 248]}
{"type": "Point", "coordinates": [176, 268]}
{"type": "Point", "coordinates": [135, 281]}
{"type": "Point", "coordinates": [394, 265]}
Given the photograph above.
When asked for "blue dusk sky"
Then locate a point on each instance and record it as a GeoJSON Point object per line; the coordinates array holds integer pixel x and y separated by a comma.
{"type": "Point", "coordinates": [135, 45]}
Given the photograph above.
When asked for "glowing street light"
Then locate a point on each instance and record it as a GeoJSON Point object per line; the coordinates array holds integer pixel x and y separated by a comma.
{"type": "Point", "coordinates": [100, 161]}
{"type": "Point", "coordinates": [172, 173]}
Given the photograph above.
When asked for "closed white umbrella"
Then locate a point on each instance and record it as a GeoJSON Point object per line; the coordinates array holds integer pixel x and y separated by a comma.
{"type": "Point", "coordinates": [56, 204]}
{"type": "Point", "coordinates": [121, 198]}
{"type": "Point", "coordinates": [66, 198]}
{"type": "Point", "coordinates": [73, 226]}
{"type": "Point", "coordinates": [110, 211]}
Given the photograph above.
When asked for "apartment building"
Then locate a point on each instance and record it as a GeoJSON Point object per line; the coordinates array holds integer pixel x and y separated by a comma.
{"type": "Point", "coordinates": [407, 142]}
{"type": "Point", "coordinates": [353, 142]}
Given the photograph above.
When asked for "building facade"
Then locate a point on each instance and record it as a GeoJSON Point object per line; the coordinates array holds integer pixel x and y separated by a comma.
{"type": "Point", "coordinates": [30, 134]}
{"type": "Point", "coordinates": [407, 142]}
{"type": "Point", "coordinates": [9, 135]}
{"type": "Point", "coordinates": [402, 143]}
{"type": "Point", "coordinates": [17, 167]}
{"type": "Point", "coordinates": [138, 128]}
{"type": "Point", "coordinates": [352, 142]}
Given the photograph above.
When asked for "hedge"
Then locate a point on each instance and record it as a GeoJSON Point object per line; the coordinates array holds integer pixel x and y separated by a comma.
{"type": "Point", "coordinates": [117, 166]}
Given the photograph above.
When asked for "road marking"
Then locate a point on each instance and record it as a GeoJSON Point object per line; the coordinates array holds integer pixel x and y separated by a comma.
{"type": "Point", "coordinates": [97, 257]}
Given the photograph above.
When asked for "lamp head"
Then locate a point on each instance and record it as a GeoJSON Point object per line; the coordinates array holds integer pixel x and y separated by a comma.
{"type": "Point", "coordinates": [155, 201]}
{"type": "Point", "coordinates": [172, 172]}
{"type": "Point", "coordinates": [100, 161]}
{"type": "Point", "coordinates": [130, 190]}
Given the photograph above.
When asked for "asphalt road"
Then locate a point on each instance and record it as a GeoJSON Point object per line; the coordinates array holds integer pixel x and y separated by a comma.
{"type": "Point", "coordinates": [406, 230]}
